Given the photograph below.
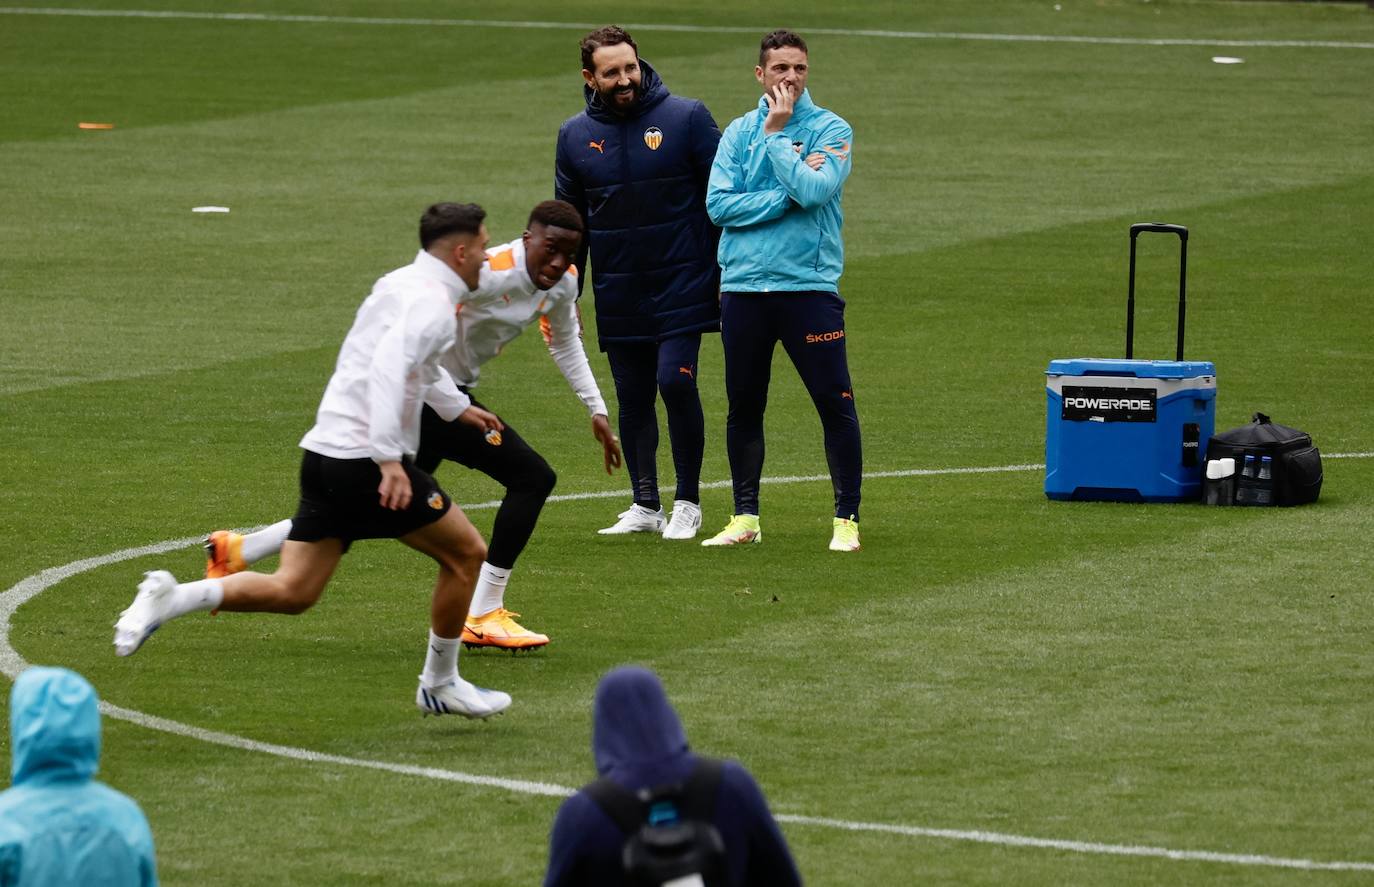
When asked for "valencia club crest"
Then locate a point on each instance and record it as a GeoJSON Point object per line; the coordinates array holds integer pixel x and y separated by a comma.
{"type": "Point", "coordinates": [653, 137]}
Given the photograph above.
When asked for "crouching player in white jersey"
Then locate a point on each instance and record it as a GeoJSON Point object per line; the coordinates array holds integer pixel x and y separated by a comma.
{"type": "Point", "coordinates": [525, 282]}
{"type": "Point", "coordinates": [358, 478]}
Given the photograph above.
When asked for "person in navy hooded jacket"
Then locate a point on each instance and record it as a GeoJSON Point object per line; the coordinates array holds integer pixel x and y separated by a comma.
{"type": "Point", "coordinates": [635, 163]}
{"type": "Point", "coordinates": [638, 742]}
{"type": "Point", "coordinates": [58, 825]}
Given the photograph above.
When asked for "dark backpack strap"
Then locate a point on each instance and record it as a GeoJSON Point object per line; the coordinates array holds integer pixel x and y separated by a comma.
{"type": "Point", "coordinates": [702, 788]}
{"type": "Point", "coordinates": [624, 809]}
{"type": "Point", "coordinates": [628, 812]}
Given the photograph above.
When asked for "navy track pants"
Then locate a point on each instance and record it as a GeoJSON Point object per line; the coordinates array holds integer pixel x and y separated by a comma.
{"type": "Point", "coordinates": [643, 370]}
{"type": "Point", "coordinates": [810, 326]}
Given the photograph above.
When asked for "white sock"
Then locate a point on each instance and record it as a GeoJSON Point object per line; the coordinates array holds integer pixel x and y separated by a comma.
{"type": "Point", "coordinates": [190, 597]}
{"type": "Point", "coordinates": [265, 542]}
{"type": "Point", "coordinates": [490, 593]}
{"type": "Point", "coordinates": [441, 661]}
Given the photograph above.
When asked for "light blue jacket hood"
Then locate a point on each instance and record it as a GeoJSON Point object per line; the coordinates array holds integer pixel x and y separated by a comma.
{"type": "Point", "coordinates": [54, 728]}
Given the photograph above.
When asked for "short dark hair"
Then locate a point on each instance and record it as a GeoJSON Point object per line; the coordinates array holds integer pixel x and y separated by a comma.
{"type": "Point", "coordinates": [777, 40]}
{"type": "Point", "coordinates": [607, 36]}
{"type": "Point", "coordinates": [557, 214]}
{"type": "Point", "coordinates": [443, 219]}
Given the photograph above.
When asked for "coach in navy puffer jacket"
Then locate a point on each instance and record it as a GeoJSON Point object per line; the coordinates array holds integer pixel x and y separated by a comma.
{"type": "Point", "coordinates": [653, 249]}
{"type": "Point", "coordinates": [635, 163]}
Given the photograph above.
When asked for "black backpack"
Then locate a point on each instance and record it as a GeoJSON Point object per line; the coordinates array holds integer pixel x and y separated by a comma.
{"type": "Point", "coordinates": [669, 838]}
{"type": "Point", "coordinates": [1297, 463]}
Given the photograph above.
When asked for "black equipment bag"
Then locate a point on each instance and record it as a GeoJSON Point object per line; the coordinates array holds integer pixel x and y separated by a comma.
{"type": "Point", "coordinates": [668, 830]}
{"type": "Point", "coordinates": [1297, 463]}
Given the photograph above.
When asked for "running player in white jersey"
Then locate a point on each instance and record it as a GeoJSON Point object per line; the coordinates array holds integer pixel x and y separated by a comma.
{"type": "Point", "coordinates": [526, 282]}
{"type": "Point", "coordinates": [358, 477]}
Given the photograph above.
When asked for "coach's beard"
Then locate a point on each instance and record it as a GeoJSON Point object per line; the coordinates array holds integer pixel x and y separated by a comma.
{"type": "Point", "coordinates": [622, 98]}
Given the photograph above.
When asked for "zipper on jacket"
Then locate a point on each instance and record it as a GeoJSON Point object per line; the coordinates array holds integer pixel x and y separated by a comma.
{"type": "Point", "coordinates": [625, 154]}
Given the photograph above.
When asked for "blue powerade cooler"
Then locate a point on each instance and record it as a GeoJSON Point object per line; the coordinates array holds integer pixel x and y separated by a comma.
{"type": "Point", "coordinates": [1130, 430]}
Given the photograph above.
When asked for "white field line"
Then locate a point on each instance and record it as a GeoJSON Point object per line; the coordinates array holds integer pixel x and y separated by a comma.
{"type": "Point", "coordinates": [153, 722]}
{"type": "Point", "coordinates": [687, 29]}
{"type": "Point", "coordinates": [1079, 846]}
{"type": "Point", "coordinates": [11, 663]}
{"type": "Point", "coordinates": [785, 479]}
{"type": "Point", "coordinates": [807, 478]}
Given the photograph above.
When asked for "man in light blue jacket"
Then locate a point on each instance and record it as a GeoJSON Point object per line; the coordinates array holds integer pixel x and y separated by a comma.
{"type": "Point", "coordinates": [775, 191]}
{"type": "Point", "coordinates": [58, 826]}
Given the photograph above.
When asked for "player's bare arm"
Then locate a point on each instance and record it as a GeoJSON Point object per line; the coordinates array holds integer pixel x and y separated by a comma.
{"type": "Point", "coordinates": [481, 419]}
{"type": "Point", "coordinates": [395, 486]}
{"type": "Point", "coordinates": [610, 444]}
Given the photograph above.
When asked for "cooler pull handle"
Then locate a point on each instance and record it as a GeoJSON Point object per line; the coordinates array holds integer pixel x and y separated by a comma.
{"type": "Point", "coordinates": [1159, 228]}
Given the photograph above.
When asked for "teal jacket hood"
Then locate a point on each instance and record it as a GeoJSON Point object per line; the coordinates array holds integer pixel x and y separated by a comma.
{"type": "Point", "coordinates": [54, 728]}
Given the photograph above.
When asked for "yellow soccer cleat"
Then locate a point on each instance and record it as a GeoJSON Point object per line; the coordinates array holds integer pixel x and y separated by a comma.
{"type": "Point", "coordinates": [741, 529]}
{"type": "Point", "coordinates": [499, 629]}
{"type": "Point", "coordinates": [845, 536]}
{"type": "Point", "coordinates": [223, 554]}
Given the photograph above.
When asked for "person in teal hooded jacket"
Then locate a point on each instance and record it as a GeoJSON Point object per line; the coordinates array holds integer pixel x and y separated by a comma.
{"type": "Point", "coordinates": [58, 826]}
{"type": "Point", "coordinates": [775, 190]}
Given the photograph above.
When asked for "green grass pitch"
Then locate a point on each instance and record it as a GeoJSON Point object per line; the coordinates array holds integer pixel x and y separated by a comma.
{"type": "Point", "coordinates": [1171, 677]}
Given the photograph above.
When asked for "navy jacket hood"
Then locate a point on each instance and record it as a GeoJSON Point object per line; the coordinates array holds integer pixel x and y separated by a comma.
{"type": "Point", "coordinates": [652, 92]}
{"type": "Point", "coordinates": [637, 738]}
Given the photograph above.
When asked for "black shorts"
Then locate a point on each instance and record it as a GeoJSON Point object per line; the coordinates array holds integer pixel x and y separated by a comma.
{"type": "Point", "coordinates": [339, 500]}
{"type": "Point", "coordinates": [508, 460]}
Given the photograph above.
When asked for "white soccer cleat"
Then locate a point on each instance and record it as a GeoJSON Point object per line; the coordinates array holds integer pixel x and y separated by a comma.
{"type": "Point", "coordinates": [685, 522]}
{"type": "Point", "coordinates": [151, 607]}
{"type": "Point", "coordinates": [637, 520]}
{"type": "Point", "coordinates": [460, 697]}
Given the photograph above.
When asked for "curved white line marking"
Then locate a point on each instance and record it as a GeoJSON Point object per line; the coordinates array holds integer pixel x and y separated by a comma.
{"type": "Point", "coordinates": [682, 29]}
{"type": "Point", "coordinates": [11, 663]}
{"type": "Point", "coordinates": [1081, 846]}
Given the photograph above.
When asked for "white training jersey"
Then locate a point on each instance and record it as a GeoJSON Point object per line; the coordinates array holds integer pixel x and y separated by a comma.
{"type": "Point", "coordinates": [504, 304]}
{"type": "Point", "coordinates": [388, 361]}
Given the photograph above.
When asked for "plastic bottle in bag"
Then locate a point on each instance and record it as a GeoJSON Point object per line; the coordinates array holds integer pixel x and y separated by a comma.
{"type": "Point", "coordinates": [1264, 482]}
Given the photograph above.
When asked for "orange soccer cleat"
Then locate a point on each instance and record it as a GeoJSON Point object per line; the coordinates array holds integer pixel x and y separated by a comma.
{"type": "Point", "coordinates": [223, 554]}
{"type": "Point", "coordinates": [499, 629]}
